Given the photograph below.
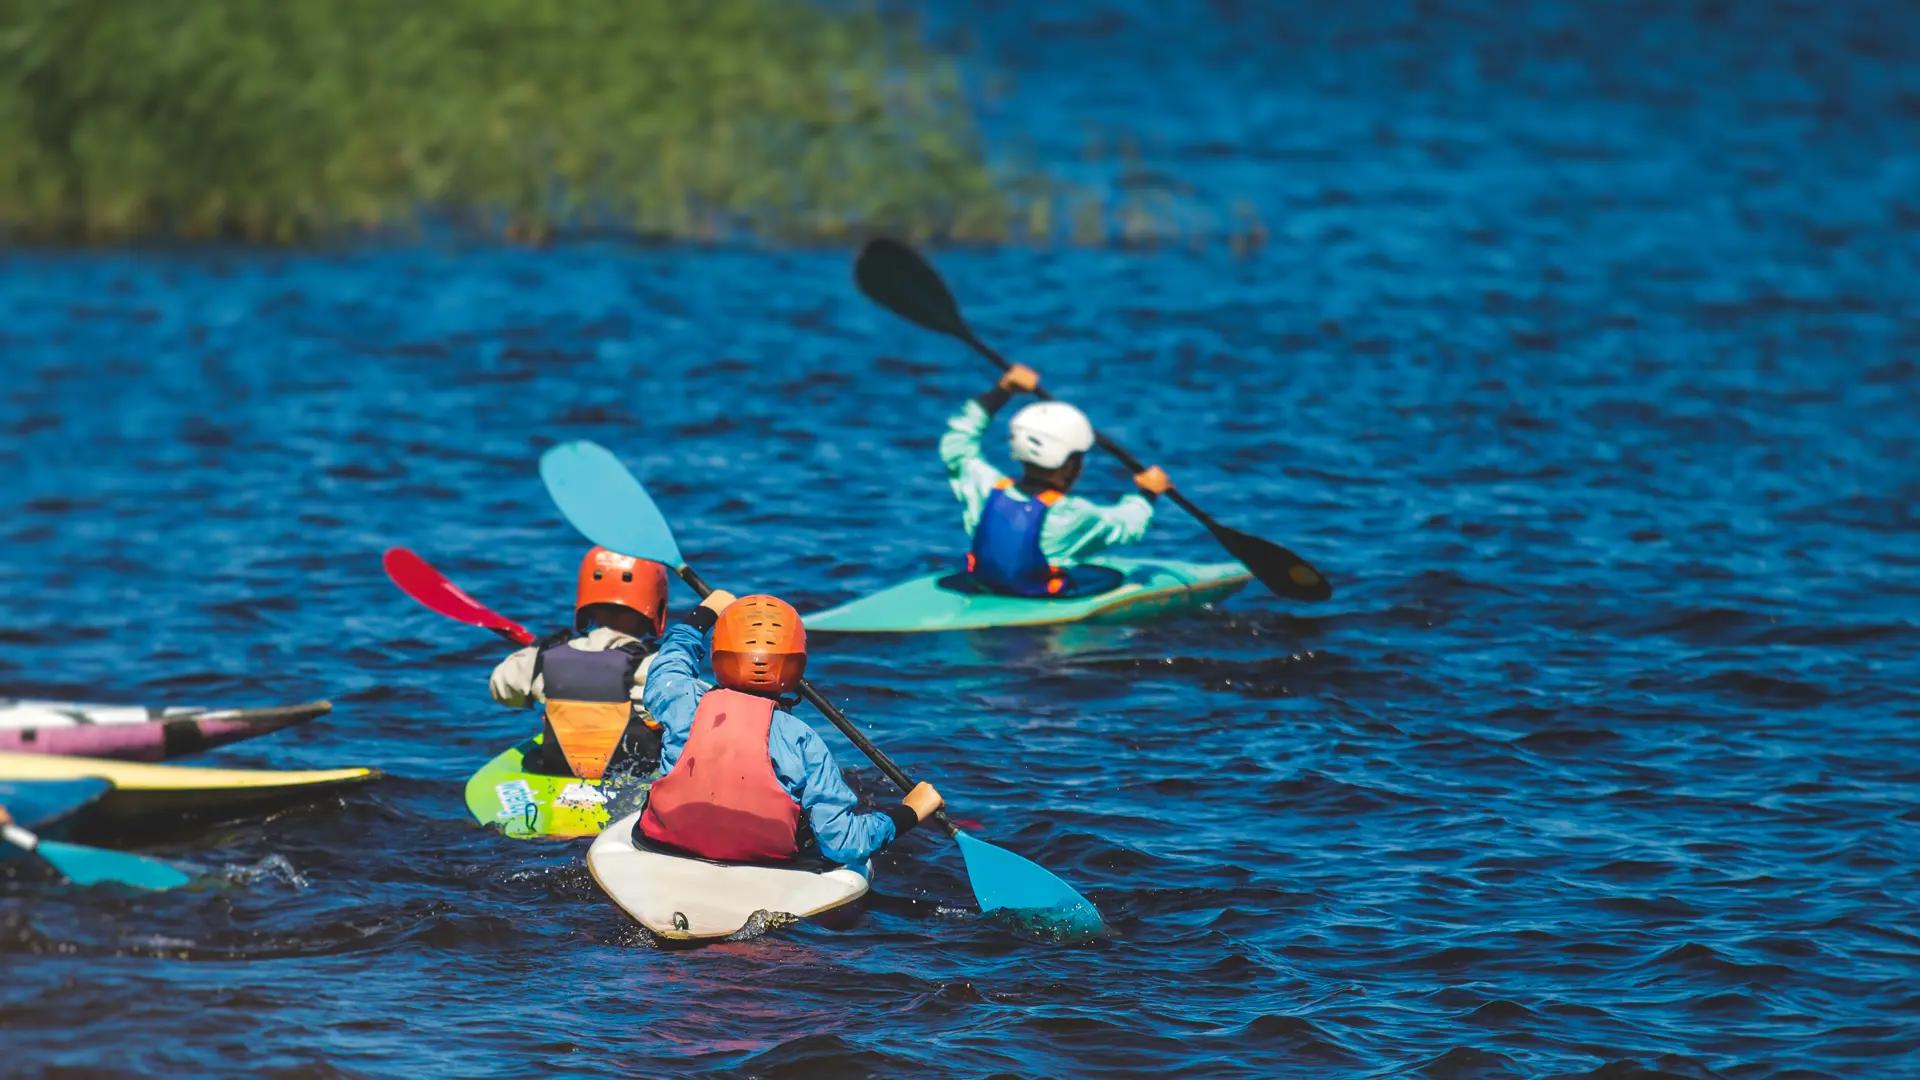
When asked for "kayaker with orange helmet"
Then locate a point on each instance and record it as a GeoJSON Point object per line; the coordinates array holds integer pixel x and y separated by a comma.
{"type": "Point", "coordinates": [1029, 535]}
{"type": "Point", "coordinates": [742, 772]}
{"type": "Point", "coordinates": [588, 680]}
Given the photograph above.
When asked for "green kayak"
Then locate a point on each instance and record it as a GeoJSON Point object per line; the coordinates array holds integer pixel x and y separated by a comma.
{"type": "Point", "coordinates": [527, 805]}
{"type": "Point", "coordinates": [1151, 587]}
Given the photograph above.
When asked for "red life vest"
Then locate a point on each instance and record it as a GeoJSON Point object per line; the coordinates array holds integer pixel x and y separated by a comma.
{"type": "Point", "coordinates": [722, 800]}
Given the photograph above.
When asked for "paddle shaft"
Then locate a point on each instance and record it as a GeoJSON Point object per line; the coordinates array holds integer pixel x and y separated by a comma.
{"type": "Point", "coordinates": [897, 278]}
{"type": "Point", "coordinates": [827, 709]}
{"type": "Point", "coordinates": [1104, 443]}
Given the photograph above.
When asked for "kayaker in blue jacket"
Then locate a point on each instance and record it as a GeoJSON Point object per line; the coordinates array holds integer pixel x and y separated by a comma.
{"type": "Point", "coordinates": [1029, 536]}
{"type": "Point", "coordinates": [742, 772]}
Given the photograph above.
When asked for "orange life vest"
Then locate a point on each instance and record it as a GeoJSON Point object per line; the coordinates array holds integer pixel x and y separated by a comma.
{"type": "Point", "coordinates": [589, 708]}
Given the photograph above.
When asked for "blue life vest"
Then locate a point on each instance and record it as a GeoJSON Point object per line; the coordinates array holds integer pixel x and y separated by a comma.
{"type": "Point", "coordinates": [1006, 556]}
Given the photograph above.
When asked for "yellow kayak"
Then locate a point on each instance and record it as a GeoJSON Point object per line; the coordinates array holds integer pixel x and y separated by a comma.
{"type": "Point", "coordinates": [143, 793]}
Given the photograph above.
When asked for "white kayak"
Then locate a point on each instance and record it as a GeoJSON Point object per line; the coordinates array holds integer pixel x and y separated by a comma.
{"type": "Point", "coordinates": [687, 899]}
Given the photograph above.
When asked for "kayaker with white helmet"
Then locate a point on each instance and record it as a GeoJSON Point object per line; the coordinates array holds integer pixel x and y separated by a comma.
{"type": "Point", "coordinates": [588, 680]}
{"type": "Point", "coordinates": [743, 774]}
{"type": "Point", "coordinates": [1029, 535]}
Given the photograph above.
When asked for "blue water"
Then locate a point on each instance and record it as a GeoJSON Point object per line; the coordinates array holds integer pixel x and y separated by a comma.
{"type": "Point", "coordinates": [1580, 352]}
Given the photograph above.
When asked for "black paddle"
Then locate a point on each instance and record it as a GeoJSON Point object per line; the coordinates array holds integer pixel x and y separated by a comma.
{"type": "Point", "coordinates": [897, 278]}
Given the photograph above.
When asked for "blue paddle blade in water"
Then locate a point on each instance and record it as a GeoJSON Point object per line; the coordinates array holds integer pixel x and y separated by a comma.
{"type": "Point", "coordinates": [1016, 888]}
{"type": "Point", "coordinates": [601, 499]}
{"type": "Point", "coordinates": [43, 804]}
{"type": "Point", "coordinates": [98, 866]}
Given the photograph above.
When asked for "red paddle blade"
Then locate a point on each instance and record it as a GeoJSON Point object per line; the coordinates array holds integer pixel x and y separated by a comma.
{"type": "Point", "coordinates": [432, 589]}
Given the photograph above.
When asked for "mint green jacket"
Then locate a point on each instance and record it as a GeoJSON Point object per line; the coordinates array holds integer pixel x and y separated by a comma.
{"type": "Point", "coordinates": [1076, 529]}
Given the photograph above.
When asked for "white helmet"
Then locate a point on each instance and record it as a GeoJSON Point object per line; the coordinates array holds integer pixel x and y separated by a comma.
{"type": "Point", "coordinates": [1047, 433]}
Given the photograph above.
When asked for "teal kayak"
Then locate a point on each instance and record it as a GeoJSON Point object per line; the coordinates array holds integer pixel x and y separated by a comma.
{"type": "Point", "coordinates": [1150, 588]}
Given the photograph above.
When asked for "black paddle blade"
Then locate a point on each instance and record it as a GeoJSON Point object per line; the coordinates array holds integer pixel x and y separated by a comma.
{"type": "Point", "coordinates": [1287, 574]}
{"type": "Point", "coordinates": [894, 276]}
{"type": "Point", "coordinates": [897, 278]}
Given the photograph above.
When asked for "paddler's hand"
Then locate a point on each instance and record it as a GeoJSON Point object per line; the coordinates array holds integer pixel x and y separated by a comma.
{"type": "Point", "coordinates": [1153, 482]}
{"type": "Point", "coordinates": [7, 819]}
{"type": "Point", "coordinates": [1020, 379]}
{"type": "Point", "coordinates": [923, 800]}
{"type": "Point", "coordinates": [717, 600]}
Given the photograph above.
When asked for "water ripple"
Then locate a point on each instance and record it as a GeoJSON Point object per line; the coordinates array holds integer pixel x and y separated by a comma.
{"type": "Point", "coordinates": [1579, 352]}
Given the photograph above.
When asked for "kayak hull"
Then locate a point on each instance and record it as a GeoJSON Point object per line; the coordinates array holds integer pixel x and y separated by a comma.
{"type": "Point", "coordinates": [530, 806]}
{"type": "Point", "coordinates": [1151, 588]}
{"type": "Point", "coordinates": [680, 898]}
{"type": "Point", "coordinates": [137, 732]}
{"type": "Point", "coordinates": [149, 797]}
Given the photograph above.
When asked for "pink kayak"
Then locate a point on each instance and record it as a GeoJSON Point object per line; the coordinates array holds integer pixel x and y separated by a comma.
{"type": "Point", "coordinates": [137, 732]}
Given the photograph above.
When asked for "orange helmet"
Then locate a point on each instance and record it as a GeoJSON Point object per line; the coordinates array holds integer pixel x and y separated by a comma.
{"type": "Point", "coordinates": [759, 646]}
{"type": "Point", "coordinates": [607, 577]}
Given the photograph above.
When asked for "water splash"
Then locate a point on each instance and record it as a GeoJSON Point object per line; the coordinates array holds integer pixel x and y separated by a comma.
{"type": "Point", "coordinates": [269, 870]}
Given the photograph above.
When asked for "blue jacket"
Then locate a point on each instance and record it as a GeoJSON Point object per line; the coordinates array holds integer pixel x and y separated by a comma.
{"type": "Point", "coordinates": [801, 759]}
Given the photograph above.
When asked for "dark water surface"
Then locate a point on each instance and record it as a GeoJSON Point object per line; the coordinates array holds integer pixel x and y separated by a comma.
{"type": "Point", "coordinates": [1582, 355]}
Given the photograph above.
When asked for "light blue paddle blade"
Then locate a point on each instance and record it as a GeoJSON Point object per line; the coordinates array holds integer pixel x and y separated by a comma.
{"type": "Point", "coordinates": [601, 499]}
{"type": "Point", "coordinates": [98, 866]}
{"type": "Point", "coordinates": [43, 804]}
{"type": "Point", "coordinates": [1016, 888]}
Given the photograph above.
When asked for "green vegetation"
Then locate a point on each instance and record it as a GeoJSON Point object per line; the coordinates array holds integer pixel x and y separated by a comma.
{"type": "Point", "coordinates": [284, 120]}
